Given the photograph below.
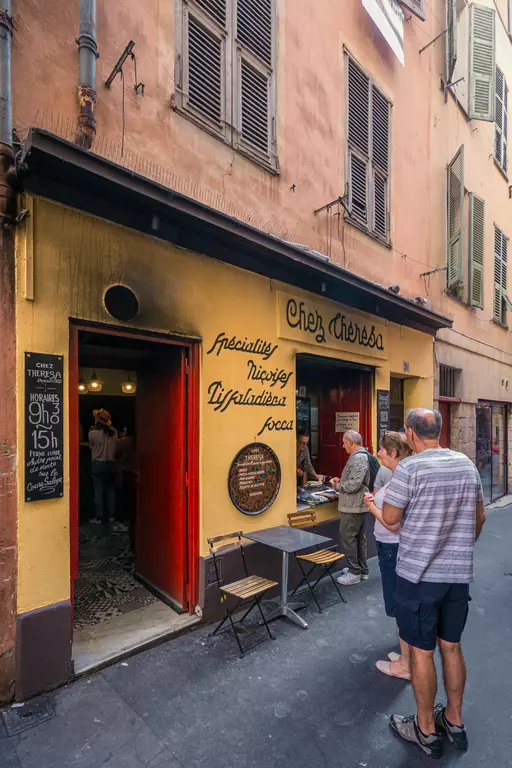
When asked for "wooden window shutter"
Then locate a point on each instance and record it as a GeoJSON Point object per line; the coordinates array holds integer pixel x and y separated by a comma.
{"type": "Point", "coordinates": [255, 77]}
{"type": "Point", "coordinates": [204, 67]}
{"type": "Point", "coordinates": [500, 275]}
{"type": "Point", "coordinates": [418, 7]}
{"type": "Point", "coordinates": [358, 93]}
{"type": "Point", "coordinates": [380, 162]}
{"type": "Point", "coordinates": [455, 218]}
{"type": "Point", "coordinates": [501, 121]}
{"type": "Point", "coordinates": [482, 67]}
{"type": "Point", "coordinates": [476, 250]}
{"type": "Point", "coordinates": [451, 38]}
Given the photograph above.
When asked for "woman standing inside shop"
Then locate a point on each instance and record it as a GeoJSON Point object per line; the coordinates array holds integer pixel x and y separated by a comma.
{"type": "Point", "coordinates": [304, 465]}
{"type": "Point", "coordinates": [393, 448]}
{"type": "Point", "coordinates": [103, 445]}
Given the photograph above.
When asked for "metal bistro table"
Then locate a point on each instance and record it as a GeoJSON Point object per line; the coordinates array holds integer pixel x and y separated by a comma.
{"type": "Point", "coordinates": [288, 540]}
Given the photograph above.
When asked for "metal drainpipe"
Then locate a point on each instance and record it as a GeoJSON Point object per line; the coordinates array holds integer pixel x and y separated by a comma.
{"type": "Point", "coordinates": [7, 166]}
{"type": "Point", "coordinates": [88, 51]}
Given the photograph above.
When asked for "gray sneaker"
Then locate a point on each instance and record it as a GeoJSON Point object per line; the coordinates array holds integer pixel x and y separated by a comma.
{"type": "Point", "coordinates": [456, 733]}
{"type": "Point", "coordinates": [407, 728]}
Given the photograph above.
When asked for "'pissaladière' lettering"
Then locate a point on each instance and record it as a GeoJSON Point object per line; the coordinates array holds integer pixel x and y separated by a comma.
{"type": "Point", "coordinates": [222, 398]}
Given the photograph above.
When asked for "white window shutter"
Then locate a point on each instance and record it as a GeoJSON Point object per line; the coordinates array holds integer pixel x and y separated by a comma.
{"type": "Point", "coordinates": [451, 38]}
{"type": "Point", "coordinates": [358, 89]}
{"type": "Point", "coordinates": [380, 125]}
{"type": "Point", "coordinates": [476, 250]}
{"type": "Point", "coordinates": [418, 7]}
{"type": "Point", "coordinates": [255, 121]}
{"type": "Point", "coordinates": [455, 212]}
{"type": "Point", "coordinates": [501, 122]}
{"type": "Point", "coordinates": [482, 66]}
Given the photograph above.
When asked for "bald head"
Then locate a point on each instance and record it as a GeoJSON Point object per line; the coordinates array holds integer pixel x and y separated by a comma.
{"type": "Point", "coordinates": [425, 422]}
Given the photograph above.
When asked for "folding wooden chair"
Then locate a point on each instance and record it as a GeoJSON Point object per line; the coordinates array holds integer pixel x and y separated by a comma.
{"type": "Point", "coordinates": [250, 588]}
{"type": "Point", "coordinates": [321, 558]}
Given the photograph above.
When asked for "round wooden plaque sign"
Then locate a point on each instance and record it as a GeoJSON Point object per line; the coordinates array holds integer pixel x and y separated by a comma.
{"type": "Point", "coordinates": [254, 479]}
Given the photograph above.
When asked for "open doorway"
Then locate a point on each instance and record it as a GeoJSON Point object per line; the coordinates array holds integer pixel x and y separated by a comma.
{"type": "Point", "coordinates": [134, 554]}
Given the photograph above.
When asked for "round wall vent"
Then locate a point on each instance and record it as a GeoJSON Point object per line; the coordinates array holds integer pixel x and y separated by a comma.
{"type": "Point", "coordinates": [121, 302]}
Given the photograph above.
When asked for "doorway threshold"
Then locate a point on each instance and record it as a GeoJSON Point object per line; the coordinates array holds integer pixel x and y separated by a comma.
{"type": "Point", "coordinates": [102, 644]}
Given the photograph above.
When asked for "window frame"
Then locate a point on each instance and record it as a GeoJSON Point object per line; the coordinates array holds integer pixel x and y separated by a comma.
{"type": "Point", "coordinates": [372, 169]}
{"type": "Point", "coordinates": [233, 53]}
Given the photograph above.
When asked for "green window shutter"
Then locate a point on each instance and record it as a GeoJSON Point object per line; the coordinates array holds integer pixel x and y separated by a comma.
{"type": "Point", "coordinates": [418, 7]}
{"type": "Point", "coordinates": [455, 214]}
{"type": "Point", "coordinates": [482, 66]}
{"type": "Point", "coordinates": [476, 251]}
{"type": "Point", "coordinates": [451, 38]}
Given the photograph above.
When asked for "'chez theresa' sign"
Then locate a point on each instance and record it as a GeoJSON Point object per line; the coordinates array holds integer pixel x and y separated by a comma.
{"type": "Point", "coordinates": [325, 324]}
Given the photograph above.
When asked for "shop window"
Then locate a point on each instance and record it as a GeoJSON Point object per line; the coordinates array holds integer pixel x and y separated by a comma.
{"type": "Point", "coordinates": [368, 160]}
{"type": "Point", "coordinates": [501, 122]}
{"type": "Point", "coordinates": [225, 72]}
{"type": "Point", "coordinates": [500, 298]}
{"type": "Point", "coordinates": [448, 380]}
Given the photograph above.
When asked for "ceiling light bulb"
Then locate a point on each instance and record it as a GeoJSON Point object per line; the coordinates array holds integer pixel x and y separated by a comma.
{"type": "Point", "coordinates": [94, 385]}
{"type": "Point", "coordinates": [129, 387]}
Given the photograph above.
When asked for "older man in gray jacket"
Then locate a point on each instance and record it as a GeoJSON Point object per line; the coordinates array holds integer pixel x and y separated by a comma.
{"type": "Point", "coordinates": [352, 487]}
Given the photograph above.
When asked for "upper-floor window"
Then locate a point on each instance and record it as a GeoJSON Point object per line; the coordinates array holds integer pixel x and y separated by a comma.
{"type": "Point", "coordinates": [368, 155]}
{"type": "Point", "coordinates": [501, 122]}
{"type": "Point", "coordinates": [500, 298]}
{"type": "Point", "coordinates": [225, 72]}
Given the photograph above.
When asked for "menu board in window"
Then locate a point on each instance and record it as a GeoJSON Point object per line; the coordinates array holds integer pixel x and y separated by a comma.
{"type": "Point", "coordinates": [43, 426]}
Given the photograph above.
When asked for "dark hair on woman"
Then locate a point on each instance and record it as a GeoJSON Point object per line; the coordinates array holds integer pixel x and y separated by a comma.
{"type": "Point", "coordinates": [107, 428]}
{"type": "Point", "coordinates": [302, 433]}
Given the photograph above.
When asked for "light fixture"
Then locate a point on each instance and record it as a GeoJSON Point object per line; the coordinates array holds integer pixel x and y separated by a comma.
{"type": "Point", "coordinates": [129, 387]}
{"type": "Point", "coordinates": [82, 386]}
{"type": "Point", "coordinates": [94, 384]}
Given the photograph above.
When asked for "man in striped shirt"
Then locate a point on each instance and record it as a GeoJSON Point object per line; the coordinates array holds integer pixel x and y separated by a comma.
{"type": "Point", "coordinates": [436, 495]}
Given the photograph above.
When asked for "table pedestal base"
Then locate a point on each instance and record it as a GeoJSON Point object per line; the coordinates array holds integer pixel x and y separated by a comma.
{"type": "Point", "coordinates": [288, 612]}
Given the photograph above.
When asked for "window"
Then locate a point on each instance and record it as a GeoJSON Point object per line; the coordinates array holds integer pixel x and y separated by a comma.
{"type": "Point", "coordinates": [500, 277]}
{"type": "Point", "coordinates": [448, 381]}
{"type": "Point", "coordinates": [482, 67]}
{"type": "Point", "coordinates": [455, 215]}
{"type": "Point", "coordinates": [476, 250]}
{"type": "Point", "coordinates": [501, 122]}
{"type": "Point", "coordinates": [368, 128]}
{"type": "Point", "coordinates": [418, 7]}
{"type": "Point", "coordinates": [225, 72]}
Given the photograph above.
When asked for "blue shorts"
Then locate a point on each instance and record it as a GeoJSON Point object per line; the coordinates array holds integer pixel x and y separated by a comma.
{"type": "Point", "coordinates": [428, 611]}
{"type": "Point", "coordinates": [387, 554]}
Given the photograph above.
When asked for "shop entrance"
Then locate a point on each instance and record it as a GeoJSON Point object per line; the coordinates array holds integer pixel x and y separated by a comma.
{"type": "Point", "coordinates": [332, 396]}
{"type": "Point", "coordinates": [492, 448]}
{"type": "Point", "coordinates": [133, 497]}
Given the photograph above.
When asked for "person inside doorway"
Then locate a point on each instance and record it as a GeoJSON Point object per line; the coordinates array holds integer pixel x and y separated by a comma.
{"type": "Point", "coordinates": [103, 445]}
{"type": "Point", "coordinates": [126, 455]}
{"type": "Point", "coordinates": [354, 483]}
{"type": "Point", "coordinates": [304, 464]}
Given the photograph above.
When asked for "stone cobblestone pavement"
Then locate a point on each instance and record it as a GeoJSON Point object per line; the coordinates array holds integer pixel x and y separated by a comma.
{"type": "Point", "coordinates": [308, 699]}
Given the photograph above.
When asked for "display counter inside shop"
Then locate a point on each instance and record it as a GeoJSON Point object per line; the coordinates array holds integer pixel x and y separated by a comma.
{"type": "Point", "coordinates": [318, 496]}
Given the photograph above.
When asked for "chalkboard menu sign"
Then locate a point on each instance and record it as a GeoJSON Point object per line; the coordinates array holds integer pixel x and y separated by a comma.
{"type": "Point", "coordinates": [43, 426]}
{"type": "Point", "coordinates": [383, 411]}
{"type": "Point", "coordinates": [254, 479]}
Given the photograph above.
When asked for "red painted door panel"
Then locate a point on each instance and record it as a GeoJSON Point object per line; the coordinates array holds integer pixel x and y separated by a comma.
{"type": "Point", "coordinates": [161, 447]}
{"type": "Point", "coordinates": [342, 391]}
{"type": "Point", "coordinates": [445, 438]}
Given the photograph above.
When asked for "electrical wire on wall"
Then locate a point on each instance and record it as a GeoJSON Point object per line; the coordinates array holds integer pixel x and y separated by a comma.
{"type": "Point", "coordinates": [138, 86]}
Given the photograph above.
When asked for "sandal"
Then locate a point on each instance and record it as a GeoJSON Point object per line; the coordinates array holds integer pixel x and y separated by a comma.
{"type": "Point", "coordinates": [392, 656]}
{"type": "Point", "coordinates": [385, 668]}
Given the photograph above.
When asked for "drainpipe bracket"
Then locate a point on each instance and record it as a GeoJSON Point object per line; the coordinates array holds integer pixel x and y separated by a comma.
{"type": "Point", "coordinates": [87, 41]}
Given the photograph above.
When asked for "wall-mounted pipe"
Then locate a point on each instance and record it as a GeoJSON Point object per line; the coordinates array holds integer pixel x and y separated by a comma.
{"type": "Point", "coordinates": [88, 52]}
{"type": "Point", "coordinates": [6, 74]}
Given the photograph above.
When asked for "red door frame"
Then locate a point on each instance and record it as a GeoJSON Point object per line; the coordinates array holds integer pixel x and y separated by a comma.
{"type": "Point", "coordinates": [192, 447]}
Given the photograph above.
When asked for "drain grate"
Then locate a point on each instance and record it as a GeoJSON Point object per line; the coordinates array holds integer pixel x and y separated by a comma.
{"type": "Point", "coordinates": [32, 713]}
